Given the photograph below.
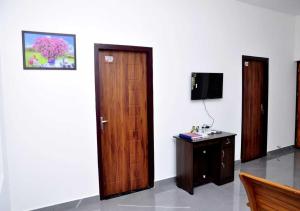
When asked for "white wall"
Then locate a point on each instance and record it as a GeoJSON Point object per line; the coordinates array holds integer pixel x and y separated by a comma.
{"type": "Point", "coordinates": [4, 191]}
{"type": "Point", "coordinates": [4, 181]}
{"type": "Point", "coordinates": [297, 41]}
{"type": "Point", "coordinates": [50, 115]}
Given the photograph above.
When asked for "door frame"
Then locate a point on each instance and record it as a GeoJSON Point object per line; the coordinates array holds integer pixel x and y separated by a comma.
{"type": "Point", "coordinates": [266, 102]}
{"type": "Point", "coordinates": [149, 65]}
{"type": "Point", "coordinates": [296, 113]}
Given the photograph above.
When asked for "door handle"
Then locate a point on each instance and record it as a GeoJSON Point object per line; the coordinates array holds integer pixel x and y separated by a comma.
{"type": "Point", "coordinates": [102, 122]}
{"type": "Point", "coordinates": [223, 165]}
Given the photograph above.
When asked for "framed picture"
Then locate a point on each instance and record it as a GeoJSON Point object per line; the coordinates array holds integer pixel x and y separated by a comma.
{"type": "Point", "coordinates": [48, 51]}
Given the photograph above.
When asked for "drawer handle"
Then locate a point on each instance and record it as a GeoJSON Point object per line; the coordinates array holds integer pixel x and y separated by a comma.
{"type": "Point", "coordinates": [204, 176]}
{"type": "Point", "coordinates": [223, 165]}
{"type": "Point", "coordinates": [204, 151]}
{"type": "Point", "coordinates": [223, 154]}
{"type": "Point", "coordinates": [228, 141]}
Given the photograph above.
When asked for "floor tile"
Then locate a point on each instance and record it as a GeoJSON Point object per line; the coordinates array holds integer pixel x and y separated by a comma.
{"type": "Point", "coordinates": [283, 167]}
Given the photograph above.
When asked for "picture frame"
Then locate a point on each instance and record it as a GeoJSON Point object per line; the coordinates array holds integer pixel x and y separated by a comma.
{"type": "Point", "coordinates": [48, 51]}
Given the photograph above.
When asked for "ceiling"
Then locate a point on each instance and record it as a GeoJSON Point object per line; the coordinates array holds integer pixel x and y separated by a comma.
{"type": "Point", "coordinates": [286, 6]}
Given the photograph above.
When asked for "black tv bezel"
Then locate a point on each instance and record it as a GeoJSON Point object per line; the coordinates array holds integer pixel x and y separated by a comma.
{"type": "Point", "coordinates": [207, 98]}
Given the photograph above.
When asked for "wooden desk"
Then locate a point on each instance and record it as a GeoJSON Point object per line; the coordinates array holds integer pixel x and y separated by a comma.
{"type": "Point", "coordinates": [207, 160]}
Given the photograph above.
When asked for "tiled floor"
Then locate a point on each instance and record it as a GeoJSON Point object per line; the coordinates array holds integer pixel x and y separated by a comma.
{"type": "Point", "coordinates": [282, 167]}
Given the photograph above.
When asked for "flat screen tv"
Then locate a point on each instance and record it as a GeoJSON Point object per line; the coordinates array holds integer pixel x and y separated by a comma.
{"type": "Point", "coordinates": [207, 86]}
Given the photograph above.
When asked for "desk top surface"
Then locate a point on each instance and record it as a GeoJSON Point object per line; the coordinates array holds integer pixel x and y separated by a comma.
{"type": "Point", "coordinates": [209, 137]}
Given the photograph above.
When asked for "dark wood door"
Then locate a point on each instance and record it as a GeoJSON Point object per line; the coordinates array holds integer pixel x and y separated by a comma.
{"type": "Point", "coordinates": [255, 108]}
{"type": "Point", "coordinates": [297, 138]}
{"type": "Point", "coordinates": [122, 122]}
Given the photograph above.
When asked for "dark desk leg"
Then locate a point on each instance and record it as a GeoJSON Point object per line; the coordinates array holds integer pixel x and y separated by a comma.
{"type": "Point", "coordinates": [184, 166]}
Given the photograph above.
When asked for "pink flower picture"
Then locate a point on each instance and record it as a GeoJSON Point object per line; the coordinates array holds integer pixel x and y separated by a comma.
{"type": "Point", "coordinates": [48, 51]}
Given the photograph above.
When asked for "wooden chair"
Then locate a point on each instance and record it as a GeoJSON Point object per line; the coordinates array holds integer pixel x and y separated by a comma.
{"type": "Point", "coordinates": [265, 195]}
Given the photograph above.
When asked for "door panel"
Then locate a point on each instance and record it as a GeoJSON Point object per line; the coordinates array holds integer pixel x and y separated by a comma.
{"type": "Point", "coordinates": [124, 138]}
{"type": "Point", "coordinates": [228, 162]}
{"type": "Point", "coordinates": [297, 142]}
{"type": "Point", "coordinates": [254, 121]}
{"type": "Point", "coordinates": [202, 173]}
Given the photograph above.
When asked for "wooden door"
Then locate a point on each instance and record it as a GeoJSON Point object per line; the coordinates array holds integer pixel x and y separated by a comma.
{"type": "Point", "coordinates": [297, 136]}
{"type": "Point", "coordinates": [123, 126]}
{"type": "Point", "coordinates": [255, 108]}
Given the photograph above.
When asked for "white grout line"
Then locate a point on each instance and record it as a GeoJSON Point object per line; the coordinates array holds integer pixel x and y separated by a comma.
{"type": "Point", "coordinates": [78, 203]}
{"type": "Point", "coordinates": [147, 206]}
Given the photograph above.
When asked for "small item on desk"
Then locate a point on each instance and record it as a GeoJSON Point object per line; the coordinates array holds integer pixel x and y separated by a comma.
{"type": "Point", "coordinates": [205, 126]}
{"type": "Point", "coordinates": [195, 129]}
{"type": "Point", "coordinates": [190, 136]}
{"type": "Point", "coordinates": [205, 129]}
{"type": "Point", "coordinates": [216, 132]}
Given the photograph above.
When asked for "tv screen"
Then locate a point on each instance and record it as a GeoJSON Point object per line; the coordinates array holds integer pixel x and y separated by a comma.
{"type": "Point", "coordinates": [207, 86]}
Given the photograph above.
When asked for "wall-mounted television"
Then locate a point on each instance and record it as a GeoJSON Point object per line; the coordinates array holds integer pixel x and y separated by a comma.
{"type": "Point", "coordinates": [207, 86]}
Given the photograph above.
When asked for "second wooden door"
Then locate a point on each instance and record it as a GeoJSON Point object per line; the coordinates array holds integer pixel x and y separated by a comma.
{"type": "Point", "coordinates": [297, 135]}
{"type": "Point", "coordinates": [255, 108]}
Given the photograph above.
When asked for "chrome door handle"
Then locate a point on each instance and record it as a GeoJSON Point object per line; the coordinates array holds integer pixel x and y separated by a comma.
{"type": "Point", "coordinates": [223, 165]}
{"type": "Point", "coordinates": [102, 121]}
